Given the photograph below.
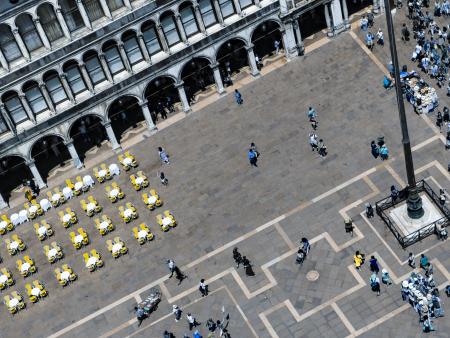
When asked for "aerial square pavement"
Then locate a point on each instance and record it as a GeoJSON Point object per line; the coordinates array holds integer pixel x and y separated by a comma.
{"type": "Point", "coordinates": [221, 202]}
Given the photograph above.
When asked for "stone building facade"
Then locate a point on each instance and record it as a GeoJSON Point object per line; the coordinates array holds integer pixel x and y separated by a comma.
{"type": "Point", "coordinates": [71, 68]}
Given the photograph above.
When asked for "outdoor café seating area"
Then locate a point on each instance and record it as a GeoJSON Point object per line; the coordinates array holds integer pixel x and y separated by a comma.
{"type": "Point", "coordinates": [76, 226]}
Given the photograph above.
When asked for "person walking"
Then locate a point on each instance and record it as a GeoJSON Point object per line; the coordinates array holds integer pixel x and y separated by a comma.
{"type": "Point", "coordinates": [237, 257]}
{"type": "Point", "coordinates": [385, 277]}
{"type": "Point", "coordinates": [384, 152]}
{"type": "Point", "coordinates": [238, 97]}
{"type": "Point", "coordinates": [174, 269]}
{"type": "Point", "coordinates": [252, 157]}
{"type": "Point", "coordinates": [374, 149]}
{"type": "Point", "coordinates": [163, 178]}
{"type": "Point", "coordinates": [439, 120]}
{"type": "Point", "coordinates": [369, 210]}
{"type": "Point", "coordinates": [424, 262]}
{"type": "Point", "coordinates": [163, 156]}
{"type": "Point", "coordinates": [247, 266]}
{"type": "Point", "coordinates": [380, 37]}
{"type": "Point", "coordinates": [254, 148]}
{"type": "Point", "coordinates": [358, 259]}
{"type": "Point", "coordinates": [394, 193]}
{"type": "Point", "coordinates": [305, 245]}
{"type": "Point", "coordinates": [192, 321]}
{"type": "Point", "coordinates": [176, 312]}
{"type": "Point", "coordinates": [412, 260]}
{"type": "Point", "coordinates": [276, 44]}
{"type": "Point", "coordinates": [405, 33]}
{"type": "Point", "coordinates": [375, 283]}
{"type": "Point", "coordinates": [374, 265]}
{"type": "Point", "coordinates": [322, 149]}
{"type": "Point", "coordinates": [312, 115]}
{"type": "Point", "coordinates": [203, 288]}
{"type": "Point", "coordinates": [313, 141]}
{"type": "Point", "coordinates": [442, 197]}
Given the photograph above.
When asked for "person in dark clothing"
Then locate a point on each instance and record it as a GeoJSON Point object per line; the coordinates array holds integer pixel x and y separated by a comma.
{"type": "Point", "coordinates": [405, 33]}
{"type": "Point", "coordinates": [394, 193]}
{"type": "Point", "coordinates": [369, 210]}
{"type": "Point", "coordinates": [446, 115]}
{"type": "Point", "coordinates": [247, 266]}
{"type": "Point", "coordinates": [374, 265]}
{"type": "Point", "coordinates": [374, 149]}
{"type": "Point", "coordinates": [237, 257]}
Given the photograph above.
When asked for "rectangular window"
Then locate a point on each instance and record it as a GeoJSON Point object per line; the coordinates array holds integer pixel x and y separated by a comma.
{"type": "Point", "coordinates": [51, 27]}
{"type": "Point", "coordinates": [95, 70]}
{"type": "Point", "coordinates": [114, 61]}
{"type": "Point", "coordinates": [114, 4]}
{"type": "Point", "coordinates": [94, 9]}
{"type": "Point", "coordinates": [72, 15]}
{"type": "Point", "coordinates": [31, 38]}
{"type": "Point", "coordinates": [227, 8]}
{"type": "Point", "coordinates": [16, 110]}
{"type": "Point", "coordinates": [151, 41]}
{"type": "Point", "coordinates": [245, 3]}
{"type": "Point", "coordinates": [75, 80]}
{"type": "Point", "coordinates": [36, 100]}
{"type": "Point", "coordinates": [10, 49]}
{"type": "Point", "coordinates": [133, 51]}
{"type": "Point", "coordinates": [207, 11]}
{"type": "Point", "coordinates": [188, 20]}
{"type": "Point", "coordinates": [56, 90]}
{"type": "Point", "coordinates": [3, 126]}
{"type": "Point", "coordinates": [170, 31]}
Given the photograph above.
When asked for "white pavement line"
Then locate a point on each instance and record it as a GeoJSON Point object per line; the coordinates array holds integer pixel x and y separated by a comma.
{"type": "Point", "coordinates": [119, 328]}
{"type": "Point", "coordinates": [444, 172]}
{"type": "Point", "coordinates": [380, 238]}
{"type": "Point", "coordinates": [369, 53]}
{"type": "Point", "coordinates": [285, 236]}
{"type": "Point", "coordinates": [165, 290]}
{"type": "Point", "coordinates": [138, 298]}
{"type": "Point", "coordinates": [343, 185]}
{"type": "Point", "coordinates": [433, 127]}
{"type": "Point", "coordinates": [343, 318]}
{"type": "Point", "coordinates": [426, 142]}
{"type": "Point", "coordinates": [241, 312]}
{"type": "Point", "coordinates": [380, 320]}
{"type": "Point", "coordinates": [372, 186]}
{"type": "Point", "coordinates": [442, 268]}
{"type": "Point", "coordinates": [396, 176]}
{"type": "Point", "coordinates": [267, 324]}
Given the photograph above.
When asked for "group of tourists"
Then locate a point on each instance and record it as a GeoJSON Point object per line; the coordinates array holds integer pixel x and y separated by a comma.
{"type": "Point", "coordinates": [314, 141]}
{"type": "Point", "coordinates": [379, 149]}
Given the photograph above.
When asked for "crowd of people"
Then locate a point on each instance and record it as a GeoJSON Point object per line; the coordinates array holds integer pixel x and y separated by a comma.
{"type": "Point", "coordinates": [314, 141]}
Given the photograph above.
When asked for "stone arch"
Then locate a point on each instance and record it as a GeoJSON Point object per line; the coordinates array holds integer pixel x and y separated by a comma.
{"type": "Point", "coordinates": [169, 26]}
{"type": "Point", "coordinates": [232, 55]}
{"type": "Point", "coordinates": [186, 11]}
{"type": "Point", "coordinates": [161, 95]}
{"type": "Point", "coordinates": [131, 46]}
{"type": "Point", "coordinates": [125, 113]}
{"type": "Point", "coordinates": [263, 37]}
{"type": "Point", "coordinates": [49, 21]}
{"type": "Point", "coordinates": [34, 96]}
{"type": "Point", "coordinates": [151, 37]}
{"type": "Point", "coordinates": [185, 3]}
{"type": "Point", "coordinates": [8, 44]}
{"type": "Point", "coordinates": [86, 132]}
{"type": "Point", "coordinates": [49, 152]}
{"type": "Point", "coordinates": [13, 171]}
{"type": "Point", "coordinates": [28, 31]}
{"type": "Point", "coordinates": [116, 64]}
{"type": "Point", "coordinates": [197, 76]}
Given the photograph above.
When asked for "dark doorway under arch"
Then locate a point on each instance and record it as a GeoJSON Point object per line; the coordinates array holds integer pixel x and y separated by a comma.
{"type": "Point", "coordinates": [264, 37]}
{"type": "Point", "coordinates": [125, 113]}
{"type": "Point", "coordinates": [161, 95]}
{"type": "Point", "coordinates": [86, 133]}
{"type": "Point", "coordinates": [232, 56]}
{"type": "Point", "coordinates": [197, 75]}
{"type": "Point", "coordinates": [13, 173]}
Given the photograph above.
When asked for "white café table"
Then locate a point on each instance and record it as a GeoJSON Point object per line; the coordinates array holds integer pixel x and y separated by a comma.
{"type": "Point", "coordinates": [3, 279]}
{"type": "Point", "coordinates": [35, 292]}
{"type": "Point", "coordinates": [45, 204]}
{"type": "Point", "coordinates": [56, 198]}
{"type": "Point", "coordinates": [127, 161]}
{"type": "Point", "coordinates": [13, 302]}
{"type": "Point", "coordinates": [114, 169]}
{"type": "Point", "coordinates": [142, 234]}
{"type": "Point", "coordinates": [114, 193]}
{"type": "Point", "coordinates": [25, 267]}
{"type": "Point", "coordinates": [104, 225]}
{"type": "Point", "coordinates": [78, 239]}
{"type": "Point", "coordinates": [151, 200]}
{"type": "Point", "coordinates": [90, 207]}
{"type": "Point", "coordinates": [128, 213]}
{"type": "Point", "coordinates": [102, 173]}
{"type": "Point", "coordinates": [139, 180]}
{"type": "Point", "coordinates": [3, 225]}
{"type": "Point", "coordinates": [66, 218]}
{"type": "Point", "coordinates": [92, 261]}
{"type": "Point", "coordinates": [52, 253]}
{"type": "Point", "coordinates": [42, 231]}
{"type": "Point", "coordinates": [65, 275]}
{"type": "Point", "coordinates": [167, 221]}
{"type": "Point", "coordinates": [14, 245]}
{"type": "Point", "coordinates": [116, 247]}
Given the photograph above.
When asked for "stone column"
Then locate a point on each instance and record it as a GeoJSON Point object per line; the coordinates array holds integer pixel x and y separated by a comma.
{"type": "Point", "coordinates": [148, 117]}
{"type": "Point", "coordinates": [106, 9]}
{"type": "Point", "coordinates": [74, 154]}
{"type": "Point", "coordinates": [3, 204]}
{"type": "Point", "coordinates": [105, 67]}
{"type": "Point", "coordinates": [237, 5]}
{"type": "Point", "coordinates": [251, 61]}
{"type": "Point", "coordinates": [328, 20]}
{"type": "Point", "coordinates": [27, 107]}
{"type": "Point", "coordinates": [37, 176]}
{"type": "Point", "coordinates": [218, 79]}
{"type": "Point", "coordinates": [336, 13]}
{"type": "Point", "coordinates": [63, 24]}
{"type": "Point", "coordinates": [181, 29]}
{"type": "Point", "coordinates": [345, 13]}
{"type": "Point", "coordinates": [376, 6]}
{"type": "Point", "coordinates": [3, 62]}
{"type": "Point", "coordinates": [199, 18]}
{"type": "Point", "coordinates": [144, 48]}
{"type": "Point", "coordinates": [42, 34]}
{"type": "Point", "coordinates": [47, 97]}
{"type": "Point", "coordinates": [218, 12]}
{"type": "Point", "coordinates": [288, 35]}
{"type": "Point", "coordinates": [111, 136]}
{"type": "Point", "coordinates": [162, 38]}
{"type": "Point", "coordinates": [183, 97]}
{"type": "Point", "coordinates": [87, 78]}
{"type": "Point", "coordinates": [67, 88]}
{"type": "Point", "coordinates": [7, 119]}
{"type": "Point", "coordinates": [21, 44]}
{"type": "Point", "coordinates": [128, 4]}
{"type": "Point", "coordinates": [84, 15]}
{"type": "Point", "coordinates": [298, 35]}
{"type": "Point", "coordinates": [284, 9]}
{"type": "Point", "coordinates": [125, 60]}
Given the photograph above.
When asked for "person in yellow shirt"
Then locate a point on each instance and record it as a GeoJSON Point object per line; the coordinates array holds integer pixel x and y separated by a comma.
{"type": "Point", "coordinates": [358, 258]}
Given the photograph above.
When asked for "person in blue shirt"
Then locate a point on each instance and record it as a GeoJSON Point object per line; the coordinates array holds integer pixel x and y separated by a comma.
{"type": "Point", "coordinates": [238, 97]}
{"type": "Point", "coordinates": [252, 157]}
{"type": "Point", "coordinates": [384, 153]}
{"type": "Point", "coordinates": [387, 82]}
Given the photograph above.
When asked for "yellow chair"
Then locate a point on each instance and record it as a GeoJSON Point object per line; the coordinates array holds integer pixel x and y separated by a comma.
{"type": "Point", "coordinates": [11, 309]}
{"type": "Point", "coordinates": [96, 254]}
{"type": "Point", "coordinates": [22, 245]}
{"type": "Point", "coordinates": [132, 158]}
{"type": "Point", "coordinates": [32, 297]}
{"type": "Point", "coordinates": [160, 222]}
{"type": "Point", "coordinates": [61, 281]}
{"type": "Point", "coordinates": [85, 236]}
{"type": "Point", "coordinates": [62, 200]}
{"type": "Point", "coordinates": [109, 245]}
{"type": "Point", "coordinates": [149, 233]}
{"type": "Point", "coordinates": [72, 239]}
{"type": "Point", "coordinates": [59, 252]}
{"type": "Point", "coordinates": [38, 284]}
{"type": "Point", "coordinates": [73, 216]}
{"type": "Point", "coordinates": [105, 168]}
{"type": "Point", "coordinates": [54, 203]}
{"type": "Point", "coordinates": [48, 227]}
{"type": "Point", "coordinates": [77, 192]}
{"type": "Point", "coordinates": [50, 259]}
{"type": "Point", "coordinates": [124, 249]}
{"type": "Point", "coordinates": [158, 202]}
{"type": "Point", "coordinates": [19, 267]}
{"type": "Point", "coordinates": [122, 214]}
{"type": "Point", "coordinates": [141, 175]}
{"type": "Point", "coordinates": [39, 211]}
{"type": "Point", "coordinates": [99, 179]}
{"type": "Point", "coordinates": [136, 186]}
{"type": "Point", "coordinates": [70, 184]}
{"type": "Point", "coordinates": [41, 237]}
{"type": "Point", "coordinates": [31, 262]}
{"type": "Point", "coordinates": [31, 215]}
{"type": "Point", "coordinates": [86, 258]}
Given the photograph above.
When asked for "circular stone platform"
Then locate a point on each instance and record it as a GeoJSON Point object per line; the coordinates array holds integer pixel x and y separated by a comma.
{"type": "Point", "coordinates": [312, 275]}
